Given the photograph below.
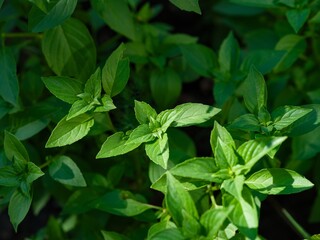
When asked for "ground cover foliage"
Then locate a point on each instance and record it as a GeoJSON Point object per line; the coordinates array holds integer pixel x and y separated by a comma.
{"type": "Point", "coordinates": [132, 119]}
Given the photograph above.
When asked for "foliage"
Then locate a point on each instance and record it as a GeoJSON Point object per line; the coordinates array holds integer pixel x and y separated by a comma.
{"type": "Point", "coordinates": [94, 116]}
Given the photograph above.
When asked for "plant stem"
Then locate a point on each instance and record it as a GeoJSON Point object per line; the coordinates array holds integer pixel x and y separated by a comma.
{"type": "Point", "coordinates": [289, 219]}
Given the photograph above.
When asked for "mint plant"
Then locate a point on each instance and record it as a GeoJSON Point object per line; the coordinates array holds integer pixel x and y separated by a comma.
{"type": "Point", "coordinates": [123, 119]}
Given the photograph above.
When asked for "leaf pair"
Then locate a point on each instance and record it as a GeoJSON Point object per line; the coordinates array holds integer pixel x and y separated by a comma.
{"type": "Point", "coordinates": [19, 176]}
{"type": "Point", "coordinates": [88, 98]}
{"type": "Point", "coordinates": [152, 130]}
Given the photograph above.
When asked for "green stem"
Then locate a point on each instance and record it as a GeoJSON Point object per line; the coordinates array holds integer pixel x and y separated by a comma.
{"type": "Point", "coordinates": [289, 219]}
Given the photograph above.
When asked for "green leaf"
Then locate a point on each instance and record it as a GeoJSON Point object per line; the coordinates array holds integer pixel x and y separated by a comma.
{"type": "Point", "coordinates": [107, 235]}
{"type": "Point", "coordinates": [165, 119]}
{"type": "Point", "coordinates": [294, 46]}
{"type": "Point", "coordinates": [297, 18]}
{"type": "Point", "coordinates": [158, 151]}
{"type": "Point", "coordinates": [143, 112]}
{"type": "Point", "coordinates": [278, 181]}
{"type": "Point", "coordinates": [119, 143]}
{"type": "Point", "coordinates": [200, 58]}
{"type": "Point", "coordinates": [9, 177]}
{"type": "Point", "coordinates": [212, 220]}
{"type": "Point", "coordinates": [107, 104]}
{"type": "Point", "coordinates": [244, 214]}
{"type": "Point", "coordinates": [40, 21]}
{"type": "Point", "coordinates": [79, 107]}
{"type": "Point", "coordinates": [68, 132]}
{"type": "Point", "coordinates": [33, 172]}
{"type": "Point", "coordinates": [64, 88]}
{"type": "Point", "coordinates": [192, 114]}
{"type": "Point", "coordinates": [220, 132]}
{"type": "Point", "coordinates": [284, 116]}
{"type": "Point", "coordinates": [159, 227]}
{"type": "Point", "coordinates": [246, 122]}
{"type": "Point", "coordinates": [64, 170]}
{"type": "Point", "coordinates": [9, 86]}
{"type": "Point", "coordinates": [191, 227]}
{"type": "Point", "coordinates": [19, 206]}
{"type": "Point", "coordinates": [229, 54]}
{"type": "Point", "coordinates": [14, 149]}
{"type": "Point", "coordinates": [165, 87]}
{"type": "Point", "coordinates": [73, 41]}
{"type": "Point", "coordinates": [113, 10]}
{"type": "Point", "coordinates": [255, 96]}
{"type": "Point", "coordinates": [252, 151]}
{"type": "Point", "coordinates": [178, 200]}
{"type": "Point", "coordinates": [93, 85]}
{"type": "Point", "coordinates": [225, 156]}
{"type": "Point", "coordinates": [116, 72]}
{"type": "Point", "coordinates": [255, 3]}
{"type": "Point", "coordinates": [187, 5]}
{"type": "Point", "coordinates": [121, 203]}
{"type": "Point", "coordinates": [234, 186]}
{"type": "Point", "coordinates": [1, 2]}
{"type": "Point", "coordinates": [168, 234]}
{"type": "Point", "coordinates": [202, 168]}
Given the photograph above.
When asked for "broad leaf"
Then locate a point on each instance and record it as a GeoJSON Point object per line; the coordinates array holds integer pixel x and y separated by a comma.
{"type": "Point", "coordinates": [121, 203]}
{"type": "Point", "coordinates": [64, 88]}
{"type": "Point", "coordinates": [116, 71]}
{"type": "Point", "coordinates": [93, 85]}
{"type": "Point", "coordinates": [165, 87]}
{"type": "Point", "coordinates": [68, 132]}
{"type": "Point", "coordinates": [113, 10]}
{"type": "Point", "coordinates": [225, 156]}
{"type": "Point", "coordinates": [168, 234]}
{"type": "Point", "coordinates": [297, 18]}
{"type": "Point", "coordinates": [187, 5]}
{"type": "Point", "coordinates": [73, 41]}
{"type": "Point", "coordinates": [246, 122]}
{"type": "Point", "coordinates": [255, 97]}
{"type": "Point", "coordinates": [278, 181]}
{"type": "Point", "coordinates": [158, 151]}
{"type": "Point", "coordinates": [9, 177]}
{"type": "Point", "coordinates": [143, 112]}
{"type": "Point", "coordinates": [229, 54]}
{"type": "Point", "coordinates": [193, 113]}
{"type": "Point", "coordinates": [79, 107]}
{"type": "Point", "coordinates": [19, 206]}
{"type": "Point", "coordinates": [284, 116]}
{"type": "Point", "coordinates": [234, 186]}
{"type": "Point", "coordinates": [40, 21]}
{"type": "Point", "coordinates": [244, 214]}
{"type": "Point", "coordinates": [108, 235]}
{"type": "Point", "coordinates": [64, 170]}
{"type": "Point", "coordinates": [253, 150]}
{"type": "Point", "coordinates": [107, 104]}
{"type": "Point", "coordinates": [14, 149]}
{"type": "Point", "coordinates": [178, 200]}
{"type": "Point", "coordinates": [9, 86]}
{"type": "Point", "coordinates": [200, 58]}
{"type": "Point", "coordinates": [220, 132]}
{"type": "Point", "coordinates": [159, 227]}
{"type": "Point", "coordinates": [33, 172]}
{"type": "Point", "coordinates": [202, 168]}
{"type": "Point", "coordinates": [213, 219]}
{"type": "Point", "coordinates": [294, 46]}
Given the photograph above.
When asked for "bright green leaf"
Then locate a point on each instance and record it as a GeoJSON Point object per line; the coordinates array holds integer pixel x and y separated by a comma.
{"type": "Point", "coordinates": [193, 113]}
{"type": "Point", "coordinates": [187, 5]}
{"type": "Point", "coordinates": [93, 85]}
{"type": "Point", "coordinates": [297, 18]}
{"type": "Point", "coordinates": [220, 132]}
{"type": "Point", "coordinates": [9, 86]}
{"type": "Point", "coordinates": [107, 235]}
{"type": "Point", "coordinates": [178, 200]}
{"type": "Point", "coordinates": [159, 227]}
{"type": "Point", "coordinates": [168, 234]}
{"type": "Point", "coordinates": [40, 21]}
{"type": "Point", "coordinates": [256, 98]}
{"type": "Point", "coordinates": [64, 88]}
{"type": "Point", "coordinates": [73, 41]}
{"type": "Point", "coordinates": [284, 116]}
{"type": "Point", "coordinates": [34, 172]}
{"type": "Point", "coordinates": [234, 186]}
{"type": "Point", "coordinates": [64, 170]}
{"type": "Point", "coordinates": [19, 206]}
{"type": "Point", "coordinates": [79, 107]}
{"type": "Point", "coordinates": [225, 156]}
{"type": "Point", "coordinates": [68, 132]}
{"type": "Point", "coordinates": [246, 122]}
{"type": "Point", "coordinates": [252, 151]}
{"type": "Point", "coordinates": [158, 151]}
{"type": "Point", "coordinates": [278, 181]}
{"type": "Point", "coordinates": [143, 112]}
{"type": "Point", "coordinates": [107, 104]}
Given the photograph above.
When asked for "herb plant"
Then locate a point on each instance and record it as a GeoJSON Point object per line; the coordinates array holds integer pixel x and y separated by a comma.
{"type": "Point", "coordinates": [103, 138]}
